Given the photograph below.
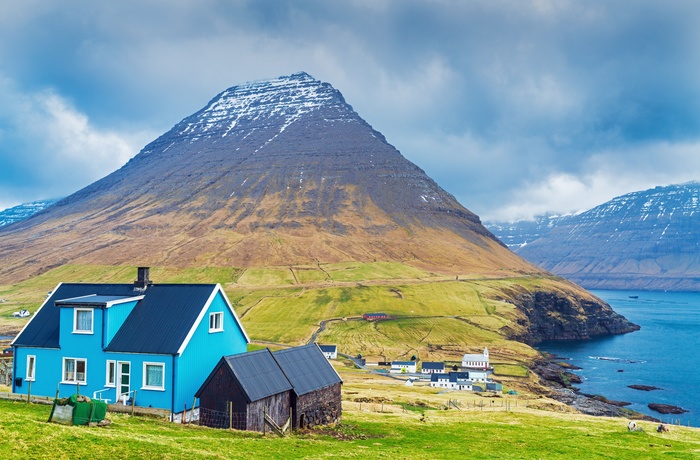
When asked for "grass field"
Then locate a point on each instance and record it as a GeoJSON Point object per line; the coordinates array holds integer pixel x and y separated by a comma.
{"type": "Point", "coordinates": [433, 316]}
{"type": "Point", "coordinates": [381, 419]}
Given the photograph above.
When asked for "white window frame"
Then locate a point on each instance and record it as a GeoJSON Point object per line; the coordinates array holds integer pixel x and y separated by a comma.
{"type": "Point", "coordinates": [31, 368]}
{"type": "Point", "coordinates": [212, 321]}
{"type": "Point", "coordinates": [75, 321]}
{"type": "Point", "coordinates": [144, 386]}
{"type": "Point", "coordinates": [113, 383]}
{"type": "Point", "coordinates": [75, 363]}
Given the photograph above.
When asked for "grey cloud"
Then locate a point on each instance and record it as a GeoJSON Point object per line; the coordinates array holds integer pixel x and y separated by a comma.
{"type": "Point", "coordinates": [492, 98]}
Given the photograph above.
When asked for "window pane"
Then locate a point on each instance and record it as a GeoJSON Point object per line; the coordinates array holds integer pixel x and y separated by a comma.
{"type": "Point", "coordinates": [83, 320]}
{"type": "Point", "coordinates": [70, 370]}
{"type": "Point", "coordinates": [110, 372]}
{"type": "Point", "coordinates": [154, 375]}
{"type": "Point", "coordinates": [30, 367]}
{"type": "Point", "coordinates": [80, 370]}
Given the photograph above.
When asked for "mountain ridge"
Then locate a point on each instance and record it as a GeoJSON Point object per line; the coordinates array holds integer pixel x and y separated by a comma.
{"type": "Point", "coordinates": [647, 239]}
{"type": "Point", "coordinates": [278, 160]}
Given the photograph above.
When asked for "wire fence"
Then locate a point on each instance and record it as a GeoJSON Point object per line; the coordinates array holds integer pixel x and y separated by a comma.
{"type": "Point", "coordinates": [219, 419]}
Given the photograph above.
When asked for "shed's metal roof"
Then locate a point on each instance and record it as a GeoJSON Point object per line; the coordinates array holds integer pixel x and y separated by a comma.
{"type": "Point", "coordinates": [328, 348]}
{"type": "Point", "coordinates": [432, 365]}
{"type": "Point", "coordinates": [258, 374]}
{"type": "Point", "coordinates": [306, 368]}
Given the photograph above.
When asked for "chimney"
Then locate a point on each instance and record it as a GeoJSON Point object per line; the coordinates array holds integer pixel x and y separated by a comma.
{"type": "Point", "coordinates": [142, 281]}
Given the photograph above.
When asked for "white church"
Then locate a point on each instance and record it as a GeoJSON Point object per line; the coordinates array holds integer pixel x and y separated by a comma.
{"type": "Point", "coordinates": [476, 361]}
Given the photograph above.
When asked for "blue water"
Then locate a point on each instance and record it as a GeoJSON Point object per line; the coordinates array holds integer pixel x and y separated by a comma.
{"type": "Point", "coordinates": [664, 353]}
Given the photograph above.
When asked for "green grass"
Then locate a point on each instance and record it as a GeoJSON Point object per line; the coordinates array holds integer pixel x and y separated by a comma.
{"type": "Point", "coordinates": [416, 434]}
{"type": "Point", "coordinates": [511, 370]}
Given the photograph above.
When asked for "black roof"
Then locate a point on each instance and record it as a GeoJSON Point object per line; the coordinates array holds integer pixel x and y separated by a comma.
{"type": "Point", "coordinates": [328, 348]}
{"type": "Point", "coordinates": [159, 323]}
{"type": "Point", "coordinates": [306, 368]}
{"type": "Point", "coordinates": [433, 365]}
{"type": "Point", "coordinates": [257, 373]}
{"type": "Point", "coordinates": [42, 329]}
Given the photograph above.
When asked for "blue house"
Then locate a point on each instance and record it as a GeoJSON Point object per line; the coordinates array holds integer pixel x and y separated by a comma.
{"type": "Point", "coordinates": [157, 342]}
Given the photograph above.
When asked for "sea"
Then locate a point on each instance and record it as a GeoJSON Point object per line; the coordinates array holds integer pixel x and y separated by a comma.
{"type": "Point", "coordinates": [664, 353]}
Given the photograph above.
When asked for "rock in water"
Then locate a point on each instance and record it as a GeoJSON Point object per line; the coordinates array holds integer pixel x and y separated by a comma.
{"type": "Point", "coordinates": [666, 408]}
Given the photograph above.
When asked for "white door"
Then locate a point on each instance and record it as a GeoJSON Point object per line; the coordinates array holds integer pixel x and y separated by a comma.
{"type": "Point", "coordinates": [124, 384]}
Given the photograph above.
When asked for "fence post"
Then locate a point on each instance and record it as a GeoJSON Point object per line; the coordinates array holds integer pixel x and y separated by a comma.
{"type": "Point", "coordinates": [133, 404]}
{"type": "Point", "coordinates": [29, 391]}
{"type": "Point", "coordinates": [229, 404]}
{"type": "Point", "coordinates": [264, 418]}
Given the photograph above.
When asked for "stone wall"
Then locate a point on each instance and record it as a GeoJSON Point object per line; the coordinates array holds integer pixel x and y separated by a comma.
{"type": "Point", "coordinates": [6, 371]}
{"type": "Point", "coordinates": [320, 407]}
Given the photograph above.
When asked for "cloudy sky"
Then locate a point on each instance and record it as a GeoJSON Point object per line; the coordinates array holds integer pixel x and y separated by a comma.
{"type": "Point", "coordinates": [515, 107]}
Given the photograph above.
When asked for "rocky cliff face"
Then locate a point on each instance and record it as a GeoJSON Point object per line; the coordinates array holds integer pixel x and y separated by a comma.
{"type": "Point", "coordinates": [643, 240]}
{"type": "Point", "coordinates": [564, 313]}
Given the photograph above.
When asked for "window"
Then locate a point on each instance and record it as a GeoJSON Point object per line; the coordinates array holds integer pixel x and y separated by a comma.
{"type": "Point", "coordinates": [31, 367]}
{"type": "Point", "coordinates": [216, 321]}
{"type": "Point", "coordinates": [153, 376]}
{"type": "Point", "coordinates": [82, 323]}
{"type": "Point", "coordinates": [111, 377]}
{"type": "Point", "coordinates": [74, 370]}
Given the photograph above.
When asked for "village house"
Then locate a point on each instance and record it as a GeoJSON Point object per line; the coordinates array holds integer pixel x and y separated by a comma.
{"type": "Point", "coordinates": [151, 344]}
{"type": "Point", "coordinates": [476, 361]}
{"type": "Point", "coordinates": [296, 382]}
{"type": "Point", "coordinates": [374, 316]}
{"type": "Point", "coordinates": [429, 367]}
{"type": "Point", "coordinates": [452, 380]}
{"type": "Point", "coordinates": [403, 367]}
{"type": "Point", "coordinates": [329, 351]}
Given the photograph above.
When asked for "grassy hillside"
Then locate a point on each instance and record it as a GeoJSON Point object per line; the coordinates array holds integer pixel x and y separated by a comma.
{"type": "Point", "coordinates": [382, 418]}
{"type": "Point", "coordinates": [433, 316]}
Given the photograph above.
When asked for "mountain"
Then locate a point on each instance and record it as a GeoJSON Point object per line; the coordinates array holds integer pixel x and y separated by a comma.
{"type": "Point", "coordinates": [646, 240]}
{"type": "Point", "coordinates": [276, 172]}
{"type": "Point", "coordinates": [283, 172]}
{"type": "Point", "coordinates": [22, 211]}
{"type": "Point", "coordinates": [518, 233]}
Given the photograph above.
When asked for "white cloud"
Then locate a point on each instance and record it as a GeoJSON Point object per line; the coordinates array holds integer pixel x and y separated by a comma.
{"type": "Point", "coordinates": [609, 173]}
{"type": "Point", "coordinates": [50, 149]}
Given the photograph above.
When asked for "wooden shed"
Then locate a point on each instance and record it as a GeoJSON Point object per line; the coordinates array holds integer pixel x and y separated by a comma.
{"type": "Point", "coordinates": [243, 388]}
{"type": "Point", "coordinates": [316, 386]}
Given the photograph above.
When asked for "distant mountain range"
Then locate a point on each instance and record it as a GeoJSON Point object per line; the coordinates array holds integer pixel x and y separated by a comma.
{"type": "Point", "coordinates": [23, 211]}
{"type": "Point", "coordinates": [643, 240]}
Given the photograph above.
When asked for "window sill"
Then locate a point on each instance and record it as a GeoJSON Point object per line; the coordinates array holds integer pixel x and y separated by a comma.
{"type": "Point", "coordinates": [110, 385]}
{"type": "Point", "coordinates": [212, 331]}
{"type": "Point", "coordinates": [153, 388]}
{"type": "Point", "coordinates": [73, 383]}
{"type": "Point", "coordinates": [84, 332]}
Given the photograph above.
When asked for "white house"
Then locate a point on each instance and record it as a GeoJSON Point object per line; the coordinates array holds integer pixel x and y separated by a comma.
{"type": "Point", "coordinates": [329, 351]}
{"type": "Point", "coordinates": [453, 381]}
{"type": "Point", "coordinates": [476, 361]}
{"type": "Point", "coordinates": [479, 375]}
{"type": "Point", "coordinates": [429, 367]}
{"type": "Point", "coordinates": [403, 367]}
